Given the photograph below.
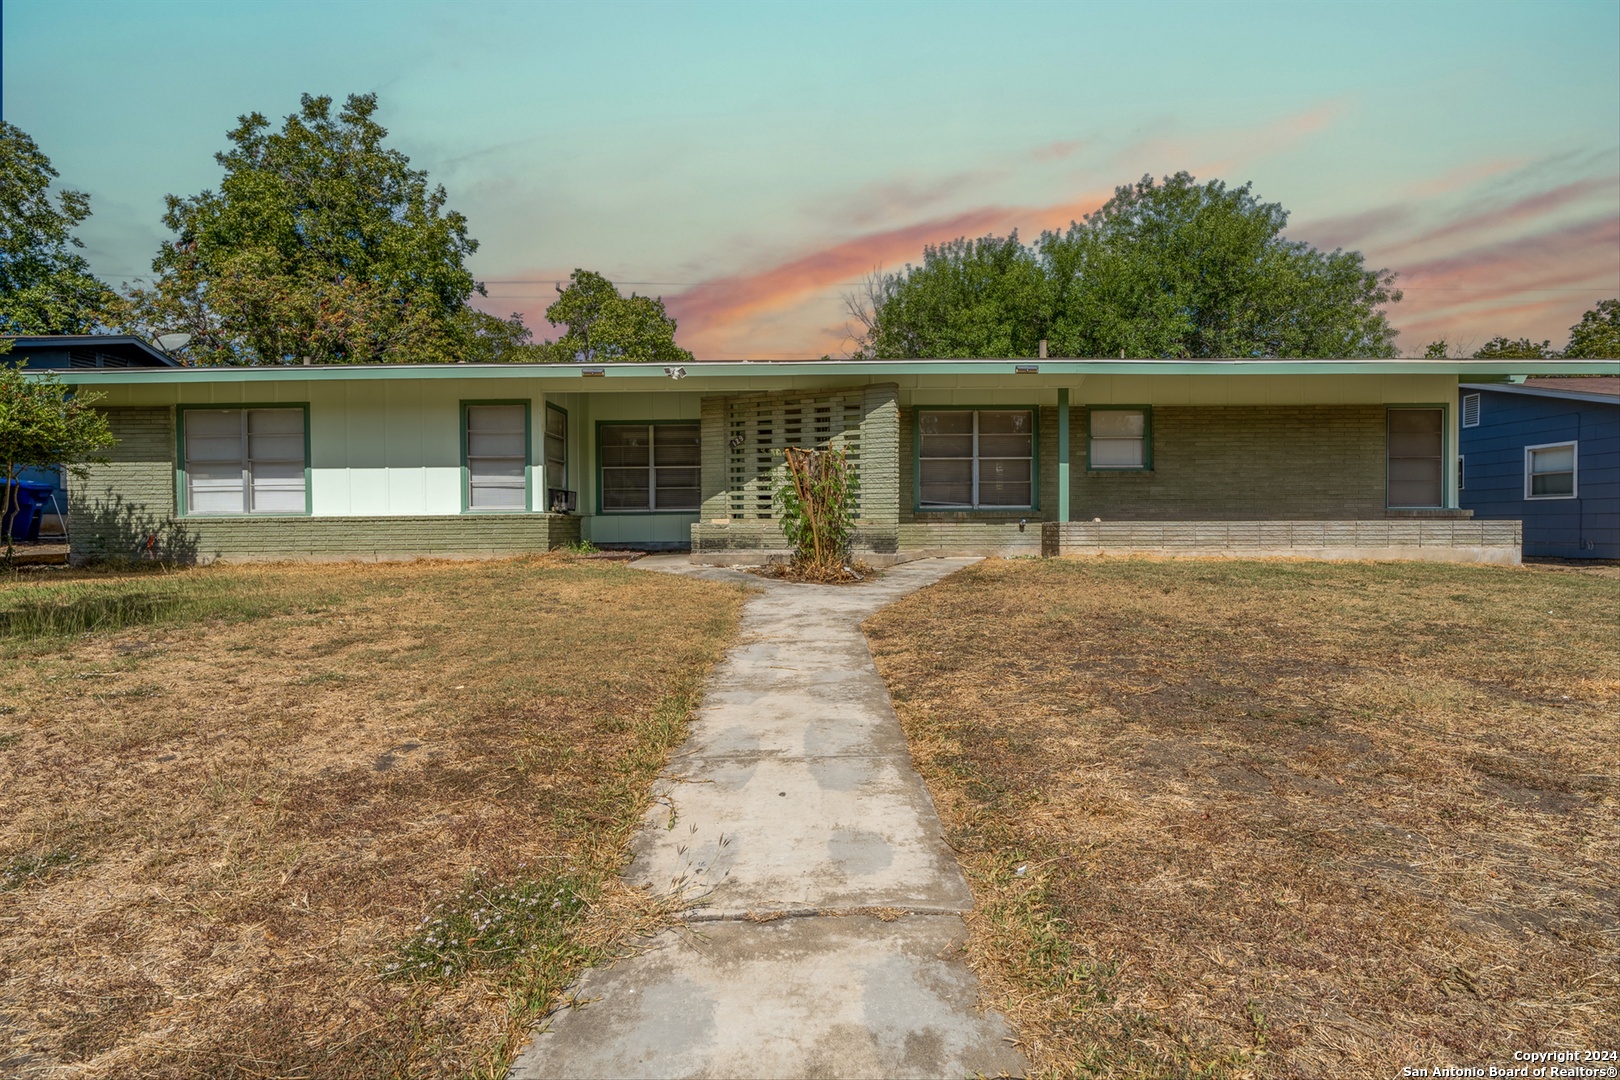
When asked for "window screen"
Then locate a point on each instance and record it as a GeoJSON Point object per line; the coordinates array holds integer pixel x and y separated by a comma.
{"type": "Point", "coordinates": [1413, 439]}
{"type": "Point", "coordinates": [497, 457]}
{"type": "Point", "coordinates": [976, 459]}
{"type": "Point", "coordinates": [556, 447]}
{"type": "Point", "coordinates": [1550, 471]}
{"type": "Point", "coordinates": [245, 461]}
{"type": "Point", "coordinates": [650, 467]}
{"type": "Point", "coordinates": [1118, 439]}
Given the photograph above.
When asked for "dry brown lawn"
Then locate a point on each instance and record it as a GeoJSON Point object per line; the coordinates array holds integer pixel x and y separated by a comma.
{"type": "Point", "coordinates": [1274, 818]}
{"type": "Point", "coordinates": [294, 821]}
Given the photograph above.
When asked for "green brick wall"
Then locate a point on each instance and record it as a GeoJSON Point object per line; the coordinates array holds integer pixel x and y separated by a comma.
{"type": "Point", "coordinates": [126, 506]}
{"type": "Point", "coordinates": [1243, 463]}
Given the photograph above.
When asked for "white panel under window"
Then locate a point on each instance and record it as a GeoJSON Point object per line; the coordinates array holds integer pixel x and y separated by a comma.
{"type": "Point", "coordinates": [1118, 439]}
{"type": "Point", "coordinates": [497, 457]}
{"type": "Point", "coordinates": [245, 461]}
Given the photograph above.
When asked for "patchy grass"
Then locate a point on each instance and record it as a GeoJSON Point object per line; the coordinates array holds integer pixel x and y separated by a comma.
{"type": "Point", "coordinates": [325, 820]}
{"type": "Point", "coordinates": [1276, 818]}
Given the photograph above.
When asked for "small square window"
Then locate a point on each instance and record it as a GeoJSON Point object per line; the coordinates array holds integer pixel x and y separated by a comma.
{"type": "Point", "coordinates": [1119, 439]}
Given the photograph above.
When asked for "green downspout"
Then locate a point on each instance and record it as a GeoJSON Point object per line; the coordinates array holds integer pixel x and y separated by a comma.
{"type": "Point", "coordinates": [1063, 454]}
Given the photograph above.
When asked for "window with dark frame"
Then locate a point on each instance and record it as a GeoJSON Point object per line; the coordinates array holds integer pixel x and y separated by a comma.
{"type": "Point", "coordinates": [650, 467]}
{"type": "Point", "coordinates": [1414, 472]}
{"type": "Point", "coordinates": [976, 459]}
{"type": "Point", "coordinates": [245, 461]}
{"type": "Point", "coordinates": [497, 457]}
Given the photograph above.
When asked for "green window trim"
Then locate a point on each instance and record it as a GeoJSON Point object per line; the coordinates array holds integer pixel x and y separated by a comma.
{"type": "Point", "coordinates": [528, 456]}
{"type": "Point", "coordinates": [1147, 439]}
{"type": "Point", "coordinates": [1004, 511]}
{"type": "Point", "coordinates": [1448, 496]}
{"type": "Point", "coordinates": [182, 500]}
{"type": "Point", "coordinates": [692, 423]}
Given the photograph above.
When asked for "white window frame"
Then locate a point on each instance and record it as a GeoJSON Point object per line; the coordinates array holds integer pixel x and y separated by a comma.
{"type": "Point", "coordinates": [547, 440]}
{"type": "Point", "coordinates": [1574, 468]}
{"type": "Point", "coordinates": [247, 462]}
{"type": "Point", "coordinates": [652, 506]}
{"type": "Point", "coordinates": [1034, 451]}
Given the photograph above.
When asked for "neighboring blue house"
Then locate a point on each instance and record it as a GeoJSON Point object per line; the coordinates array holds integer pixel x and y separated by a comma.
{"type": "Point", "coordinates": [1547, 452]}
{"type": "Point", "coordinates": [75, 352]}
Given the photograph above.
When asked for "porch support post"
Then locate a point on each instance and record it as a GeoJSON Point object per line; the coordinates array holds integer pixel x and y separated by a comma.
{"type": "Point", "coordinates": [1063, 454]}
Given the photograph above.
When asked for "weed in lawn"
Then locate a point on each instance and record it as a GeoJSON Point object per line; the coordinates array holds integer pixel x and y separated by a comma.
{"type": "Point", "coordinates": [31, 868]}
{"type": "Point", "coordinates": [491, 924]}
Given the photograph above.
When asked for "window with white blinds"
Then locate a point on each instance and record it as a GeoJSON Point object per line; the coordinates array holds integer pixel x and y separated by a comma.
{"type": "Point", "coordinates": [497, 454]}
{"type": "Point", "coordinates": [1119, 439]}
{"type": "Point", "coordinates": [1549, 471]}
{"type": "Point", "coordinates": [245, 461]}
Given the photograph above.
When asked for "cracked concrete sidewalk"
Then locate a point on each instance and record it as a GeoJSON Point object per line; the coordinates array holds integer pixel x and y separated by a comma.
{"type": "Point", "coordinates": [793, 799]}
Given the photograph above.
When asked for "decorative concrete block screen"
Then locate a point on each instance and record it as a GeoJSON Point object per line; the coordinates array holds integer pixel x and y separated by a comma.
{"type": "Point", "coordinates": [759, 428]}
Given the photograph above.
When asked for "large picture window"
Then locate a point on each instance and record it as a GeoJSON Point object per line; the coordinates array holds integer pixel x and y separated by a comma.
{"type": "Point", "coordinates": [649, 467]}
{"type": "Point", "coordinates": [245, 461]}
{"type": "Point", "coordinates": [497, 455]}
{"type": "Point", "coordinates": [1415, 440]}
{"type": "Point", "coordinates": [976, 459]}
{"type": "Point", "coordinates": [1119, 439]}
{"type": "Point", "coordinates": [1549, 471]}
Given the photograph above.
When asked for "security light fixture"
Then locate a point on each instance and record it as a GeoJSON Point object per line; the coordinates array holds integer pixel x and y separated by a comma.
{"type": "Point", "coordinates": [675, 372]}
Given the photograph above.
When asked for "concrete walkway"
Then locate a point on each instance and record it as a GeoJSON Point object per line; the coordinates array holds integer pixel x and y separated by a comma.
{"type": "Point", "coordinates": [794, 796]}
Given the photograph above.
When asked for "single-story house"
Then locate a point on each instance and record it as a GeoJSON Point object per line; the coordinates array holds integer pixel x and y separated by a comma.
{"type": "Point", "coordinates": [1328, 458]}
{"type": "Point", "coordinates": [63, 352]}
{"type": "Point", "coordinates": [1545, 452]}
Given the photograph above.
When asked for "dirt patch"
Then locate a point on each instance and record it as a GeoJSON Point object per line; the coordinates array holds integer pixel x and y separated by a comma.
{"type": "Point", "coordinates": [1276, 818]}
{"type": "Point", "coordinates": [224, 837]}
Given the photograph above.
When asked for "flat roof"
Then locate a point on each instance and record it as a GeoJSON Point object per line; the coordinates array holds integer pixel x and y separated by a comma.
{"type": "Point", "coordinates": [1470, 370]}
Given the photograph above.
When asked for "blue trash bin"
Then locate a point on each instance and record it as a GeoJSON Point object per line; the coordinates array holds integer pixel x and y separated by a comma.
{"type": "Point", "coordinates": [29, 511]}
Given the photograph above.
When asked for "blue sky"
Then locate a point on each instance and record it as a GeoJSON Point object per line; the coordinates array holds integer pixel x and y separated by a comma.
{"type": "Point", "coordinates": [749, 162]}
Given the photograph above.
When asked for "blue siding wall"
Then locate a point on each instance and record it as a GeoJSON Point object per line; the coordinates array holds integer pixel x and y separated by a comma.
{"type": "Point", "coordinates": [1585, 527]}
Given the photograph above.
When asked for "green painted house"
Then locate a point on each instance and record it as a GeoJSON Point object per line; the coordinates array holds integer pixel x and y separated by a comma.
{"type": "Point", "coordinates": [1323, 458]}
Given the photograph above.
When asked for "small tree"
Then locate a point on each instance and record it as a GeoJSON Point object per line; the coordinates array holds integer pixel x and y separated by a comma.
{"type": "Point", "coordinates": [816, 499]}
{"type": "Point", "coordinates": [43, 423]}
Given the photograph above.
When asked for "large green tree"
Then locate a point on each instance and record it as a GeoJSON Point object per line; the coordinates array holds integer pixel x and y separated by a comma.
{"type": "Point", "coordinates": [45, 284]}
{"type": "Point", "coordinates": [1171, 269]}
{"type": "Point", "coordinates": [1597, 335]}
{"type": "Point", "coordinates": [320, 244]}
{"type": "Point", "coordinates": [603, 325]}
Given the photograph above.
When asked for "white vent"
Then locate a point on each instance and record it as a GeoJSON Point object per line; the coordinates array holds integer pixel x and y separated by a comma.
{"type": "Point", "coordinates": [1470, 412]}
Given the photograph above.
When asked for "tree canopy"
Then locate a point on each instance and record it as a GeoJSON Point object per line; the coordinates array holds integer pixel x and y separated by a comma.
{"type": "Point", "coordinates": [603, 325]}
{"type": "Point", "coordinates": [45, 284]}
{"type": "Point", "coordinates": [1501, 348]}
{"type": "Point", "coordinates": [1597, 335]}
{"type": "Point", "coordinates": [321, 243]}
{"type": "Point", "coordinates": [1171, 269]}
